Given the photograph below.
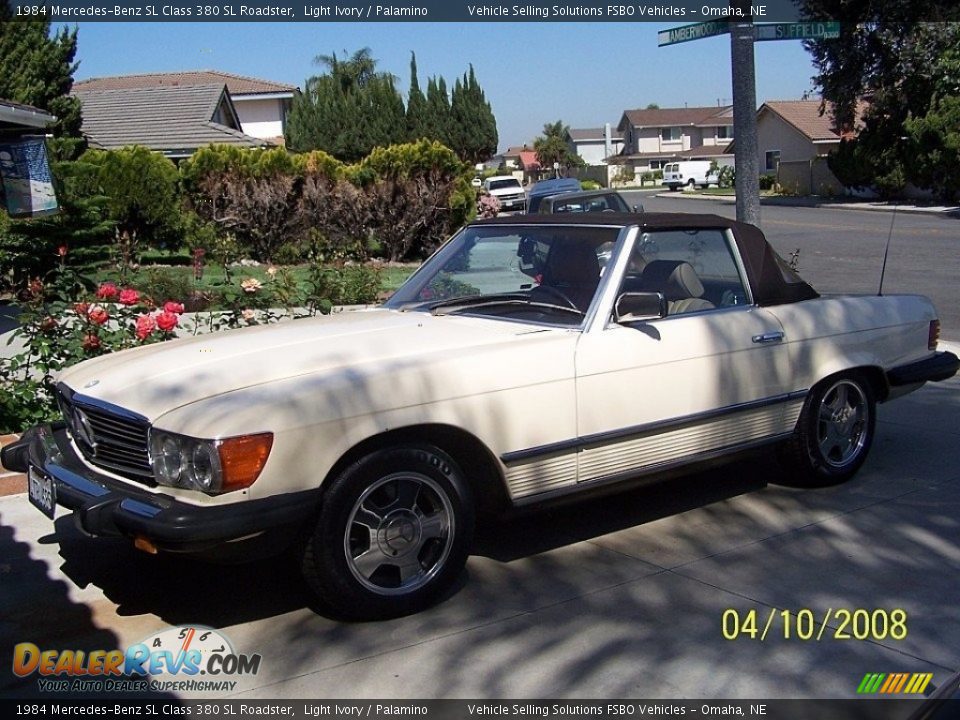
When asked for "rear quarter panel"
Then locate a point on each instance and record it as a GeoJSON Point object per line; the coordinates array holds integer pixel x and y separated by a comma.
{"type": "Point", "coordinates": [828, 335]}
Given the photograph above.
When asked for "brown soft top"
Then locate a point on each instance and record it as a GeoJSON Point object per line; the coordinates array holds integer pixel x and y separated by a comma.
{"type": "Point", "coordinates": [772, 281]}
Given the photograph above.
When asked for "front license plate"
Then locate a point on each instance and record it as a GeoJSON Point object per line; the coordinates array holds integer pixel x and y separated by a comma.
{"type": "Point", "coordinates": [42, 491]}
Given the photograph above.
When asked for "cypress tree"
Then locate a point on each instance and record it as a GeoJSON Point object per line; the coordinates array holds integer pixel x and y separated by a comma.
{"type": "Point", "coordinates": [416, 117]}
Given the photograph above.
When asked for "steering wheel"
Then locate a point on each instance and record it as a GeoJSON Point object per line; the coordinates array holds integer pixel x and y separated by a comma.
{"type": "Point", "coordinates": [560, 294]}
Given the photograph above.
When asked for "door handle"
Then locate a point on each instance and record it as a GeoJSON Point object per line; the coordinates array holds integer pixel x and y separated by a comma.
{"type": "Point", "coordinates": [770, 337]}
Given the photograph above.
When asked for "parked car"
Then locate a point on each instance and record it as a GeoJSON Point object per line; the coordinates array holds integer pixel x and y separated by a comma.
{"type": "Point", "coordinates": [507, 372]}
{"type": "Point", "coordinates": [545, 188]}
{"type": "Point", "coordinates": [689, 173]}
{"type": "Point", "coordinates": [508, 191]}
{"type": "Point", "coordinates": [586, 201]}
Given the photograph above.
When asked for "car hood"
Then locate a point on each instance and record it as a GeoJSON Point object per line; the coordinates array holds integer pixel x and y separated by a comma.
{"type": "Point", "coordinates": [156, 379]}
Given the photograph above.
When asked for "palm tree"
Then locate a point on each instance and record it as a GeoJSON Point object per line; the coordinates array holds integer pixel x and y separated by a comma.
{"type": "Point", "coordinates": [353, 72]}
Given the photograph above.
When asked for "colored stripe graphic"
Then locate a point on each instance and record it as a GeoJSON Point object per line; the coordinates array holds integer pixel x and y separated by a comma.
{"type": "Point", "coordinates": [894, 683]}
{"type": "Point", "coordinates": [870, 683]}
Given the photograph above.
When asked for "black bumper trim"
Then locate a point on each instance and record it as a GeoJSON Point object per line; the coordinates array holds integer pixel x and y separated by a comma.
{"type": "Point", "coordinates": [105, 506]}
{"type": "Point", "coordinates": [942, 366]}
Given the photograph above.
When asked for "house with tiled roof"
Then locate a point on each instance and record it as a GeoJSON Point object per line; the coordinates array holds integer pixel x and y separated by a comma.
{"type": "Point", "coordinates": [261, 105]}
{"type": "Point", "coordinates": [595, 145]}
{"type": "Point", "coordinates": [794, 138]}
{"type": "Point", "coordinates": [173, 120]}
{"type": "Point", "coordinates": [653, 137]}
{"type": "Point", "coordinates": [796, 130]}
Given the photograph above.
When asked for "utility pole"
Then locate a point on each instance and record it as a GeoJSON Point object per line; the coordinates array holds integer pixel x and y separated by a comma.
{"type": "Point", "coordinates": [746, 163]}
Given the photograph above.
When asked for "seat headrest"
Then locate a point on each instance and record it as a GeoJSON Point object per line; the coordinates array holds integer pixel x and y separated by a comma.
{"type": "Point", "coordinates": [676, 279]}
{"type": "Point", "coordinates": [573, 264]}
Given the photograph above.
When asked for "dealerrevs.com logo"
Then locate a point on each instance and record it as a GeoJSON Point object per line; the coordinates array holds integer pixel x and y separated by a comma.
{"type": "Point", "coordinates": [179, 659]}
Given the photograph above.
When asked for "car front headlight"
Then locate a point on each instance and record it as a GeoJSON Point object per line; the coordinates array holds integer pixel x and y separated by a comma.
{"type": "Point", "coordinates": [210, 466]}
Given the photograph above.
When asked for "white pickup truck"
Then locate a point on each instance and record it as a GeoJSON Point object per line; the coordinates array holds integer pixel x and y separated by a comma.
{"type": "Point", "coordinates": [508, 190]}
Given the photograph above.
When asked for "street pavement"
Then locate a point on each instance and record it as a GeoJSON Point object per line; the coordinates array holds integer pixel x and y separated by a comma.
{"type": "Point", "coordinates": [618, 597]}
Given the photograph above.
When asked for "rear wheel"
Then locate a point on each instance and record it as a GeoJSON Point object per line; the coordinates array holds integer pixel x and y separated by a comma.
{"type": "Point", "coordinates": [834, 433]}
{"type": "Point", "coordinates": [393, 534]}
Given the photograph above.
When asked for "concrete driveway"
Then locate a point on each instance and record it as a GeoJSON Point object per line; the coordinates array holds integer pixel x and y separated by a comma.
{"type": "Point", "coordinates": [615, 598]}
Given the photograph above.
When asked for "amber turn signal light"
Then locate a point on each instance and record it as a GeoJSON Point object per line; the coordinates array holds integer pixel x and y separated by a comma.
{"type": "Point", "coordinates": [242, 458]}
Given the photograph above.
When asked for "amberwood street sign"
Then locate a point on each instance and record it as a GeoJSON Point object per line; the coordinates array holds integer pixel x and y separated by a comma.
{"type": "Point", "coordinates": [686, 33]}
{"type": "Point", "coordinates": [774, 31]}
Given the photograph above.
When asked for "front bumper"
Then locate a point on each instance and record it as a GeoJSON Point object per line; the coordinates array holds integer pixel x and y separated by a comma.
{"type": "Point", "coordinates": [513, 203]}
{"type": "Point", "coordinates": [105, 506]}
{"type": "Point", "coordinates": [940, 366]}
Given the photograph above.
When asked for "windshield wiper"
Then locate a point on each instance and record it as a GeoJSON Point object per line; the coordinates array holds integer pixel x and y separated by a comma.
{"type": "Point", "coordinates": [470, 303]}
{"type": "Point", "coordinates": [469, 299]}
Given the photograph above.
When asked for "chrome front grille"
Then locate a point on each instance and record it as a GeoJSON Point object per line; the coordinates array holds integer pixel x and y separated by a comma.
{"type": "Point", "coordinates": [108, 436]}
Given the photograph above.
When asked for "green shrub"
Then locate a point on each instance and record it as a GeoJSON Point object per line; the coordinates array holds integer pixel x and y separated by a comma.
{"type": "Point", "coordinates": [590, 185]}
{"type": "Point", "coordinates": [767, 182]}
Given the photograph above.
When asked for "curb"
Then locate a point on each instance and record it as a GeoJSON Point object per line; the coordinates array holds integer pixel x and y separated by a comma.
{"type": "Point", "coordinates": [937, 211]}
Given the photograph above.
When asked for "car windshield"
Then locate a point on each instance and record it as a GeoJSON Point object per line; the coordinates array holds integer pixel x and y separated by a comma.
{"type": "Point", "coordinates": [544, 273]}
{"type": "Point", "coordinates": [610, 202]}
{"type": "Point", "coordinates": [505, 185]}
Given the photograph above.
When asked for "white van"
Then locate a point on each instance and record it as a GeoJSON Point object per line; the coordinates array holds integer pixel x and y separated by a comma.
{"type": "Point", "coordinates": [688, 172]}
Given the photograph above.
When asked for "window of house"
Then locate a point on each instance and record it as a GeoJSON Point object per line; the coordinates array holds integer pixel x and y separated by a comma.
{"type": "Point", "coordinates": [670, 134]}
{"type": "Point", "coordinates": [724, 132]}
{"type": "Point", "coordinates": [772, 160]}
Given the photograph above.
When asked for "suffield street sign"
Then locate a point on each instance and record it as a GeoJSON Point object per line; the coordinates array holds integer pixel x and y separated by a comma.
{"type": "Point", "coordinates": [799, 31]}
{"type": "Point", "coordinates": [686, 33]}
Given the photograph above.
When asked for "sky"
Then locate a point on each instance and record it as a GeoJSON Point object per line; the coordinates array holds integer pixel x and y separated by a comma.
{"type": "Point", "coordinates": [585, 74]}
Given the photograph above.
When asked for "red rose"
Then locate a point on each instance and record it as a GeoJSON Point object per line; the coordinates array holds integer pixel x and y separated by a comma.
{"type": "Point", "coordinates": [91, 342]}
{"type": "Point", "coordinates": [62, 251]}
{"type": "Point", "coordinates": [173, 307]}
{"type": "Point", "coordinates": [145, 326]}
{"type": "Point", "coordinates": [81, 308]}
{"type": "Point", "coordinates": [36, 287]}
{"type": "Point", "coordinates": [106, 291]}
{"type": "Point", "coordinates": [97, 315]}
{"type": "Point", "coordinates": [48, 324]}
{"type": "Point", "coordinates": [129, 296]}
{"type": "Point", "coordinates": [167, 321]}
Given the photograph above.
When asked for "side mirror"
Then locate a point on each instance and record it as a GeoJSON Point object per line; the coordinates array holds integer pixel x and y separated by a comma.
{"type": "Point", "coordinates": [638, 306]}
{"type": "Point", "coordinates": [638, 208]}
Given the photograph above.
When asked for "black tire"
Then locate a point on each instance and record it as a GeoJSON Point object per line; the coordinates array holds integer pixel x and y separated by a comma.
{"type": "Point", "coordinates": [393, 534]}
{"type": "Point", "coordinates": [834, 432]}
{"type": "Point", "coordinates": [691, 183]}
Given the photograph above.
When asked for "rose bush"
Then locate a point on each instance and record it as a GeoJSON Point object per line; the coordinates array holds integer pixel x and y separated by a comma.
{"type": "Point", "coordinates": [60, 327]}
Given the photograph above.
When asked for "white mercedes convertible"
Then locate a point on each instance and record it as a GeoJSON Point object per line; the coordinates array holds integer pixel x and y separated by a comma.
{"type": "Point", "coordinates": [531, 358]}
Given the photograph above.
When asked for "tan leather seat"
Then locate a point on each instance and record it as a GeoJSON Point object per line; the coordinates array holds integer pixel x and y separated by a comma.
{"type": "Point", "coordinates": [574, 270]}
{"type": "Point", "coordinates": [679, 283]}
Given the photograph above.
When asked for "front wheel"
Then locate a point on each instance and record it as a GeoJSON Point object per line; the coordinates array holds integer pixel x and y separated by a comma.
{"type": "Point", "coordinates": [393, 534]}
{"type": "Point", "coordinates": [834, 433]}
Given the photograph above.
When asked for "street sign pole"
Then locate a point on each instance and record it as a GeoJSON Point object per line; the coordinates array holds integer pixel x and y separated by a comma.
{"type": "Point", "coordinates": [746, 162]}
{"type": "Point", "coordinates": [742, 36]}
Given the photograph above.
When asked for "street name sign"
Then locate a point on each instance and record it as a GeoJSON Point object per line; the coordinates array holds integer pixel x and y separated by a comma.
{"type": "Point", "coordinates": [686, 33]}
{"type": "Point", "coordinates": [799, 31]}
